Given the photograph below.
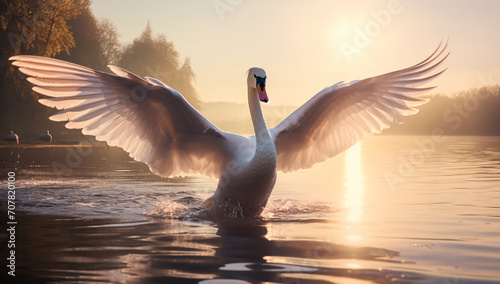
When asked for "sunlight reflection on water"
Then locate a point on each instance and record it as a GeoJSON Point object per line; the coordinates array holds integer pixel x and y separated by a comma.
{"type": "Point", "coordinates": [354, 183]}
{"type": "Point", "coordinates": [112, 220]}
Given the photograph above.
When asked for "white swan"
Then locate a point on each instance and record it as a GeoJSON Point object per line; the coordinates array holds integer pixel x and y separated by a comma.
{"type": "Point", "coordinates": [46, 137]}
{"type": "Point", "coordinates": [157, 126]}
{"type": "Point", "coordinates": [12, 137]}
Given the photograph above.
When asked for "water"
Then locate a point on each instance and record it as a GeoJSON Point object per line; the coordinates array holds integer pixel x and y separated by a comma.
{"type": "Point", "coordinates": [390, 210]}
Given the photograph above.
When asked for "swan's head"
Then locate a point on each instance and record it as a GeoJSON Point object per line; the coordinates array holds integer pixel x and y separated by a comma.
{"type": "Point", "coordinates": [47, 132]}
{"type": "Point", "coordinates": [257, 80]}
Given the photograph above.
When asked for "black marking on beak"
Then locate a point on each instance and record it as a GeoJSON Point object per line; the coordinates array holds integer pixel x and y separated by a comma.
{"type": "Point", "coordinates": [260, 81]}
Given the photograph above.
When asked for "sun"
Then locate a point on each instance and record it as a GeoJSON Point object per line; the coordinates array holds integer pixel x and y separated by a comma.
{"type": "Point", "coordinates": [344, 29]}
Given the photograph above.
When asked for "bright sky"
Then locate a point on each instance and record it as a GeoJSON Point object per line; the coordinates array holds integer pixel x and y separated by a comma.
{"type": "Point", "coordinates": [305, 46]}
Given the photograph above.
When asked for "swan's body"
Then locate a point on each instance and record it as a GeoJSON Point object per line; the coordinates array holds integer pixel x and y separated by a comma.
{"type": "Point", "coordinates": [12, 137]}
{"type": "Point", "coordinates": [157, 126]}
{"type": "Point", "coordinates": [248, 180]}
{"type": "Point", "coordinates": [46, 137]}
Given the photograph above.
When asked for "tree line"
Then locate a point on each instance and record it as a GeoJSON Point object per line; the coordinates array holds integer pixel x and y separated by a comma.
{"type": "Point", "coordinates": [68, 30]}
{"type": "Point", "coordinates": [472, 112]}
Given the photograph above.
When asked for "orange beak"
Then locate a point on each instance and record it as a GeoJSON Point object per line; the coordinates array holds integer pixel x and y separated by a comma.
{"type": "Point", "coordinates": [262, 93]}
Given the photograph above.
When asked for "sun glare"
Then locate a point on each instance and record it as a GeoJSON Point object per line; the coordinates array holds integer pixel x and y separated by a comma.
{"type": "Point", "coordinates": [344, 29]}
{"type": "Point", "coordinates": [342, 32]}
{"type": "Point", "coordinates": [354, 184]}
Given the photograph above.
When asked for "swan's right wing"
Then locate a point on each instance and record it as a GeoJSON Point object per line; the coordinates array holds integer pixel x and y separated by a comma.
{"type": "Point", "coordinates": [148, 119]}
{"type": "Point", "coordinates": [339, 116]}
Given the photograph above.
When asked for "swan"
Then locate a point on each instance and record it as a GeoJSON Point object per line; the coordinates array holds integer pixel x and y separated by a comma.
{"type": "Point", "coordinates": [157, 126]}
{"type": "Point", "coordinates": [46, 137]}
{"type": "Point", "coordinates": [12, 137]}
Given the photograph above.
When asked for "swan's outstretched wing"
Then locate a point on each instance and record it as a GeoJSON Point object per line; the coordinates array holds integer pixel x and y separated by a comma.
{"type": "Point", "coordinates": [339, 116]}
{"type": "Point", "coordinates": [145, 117]}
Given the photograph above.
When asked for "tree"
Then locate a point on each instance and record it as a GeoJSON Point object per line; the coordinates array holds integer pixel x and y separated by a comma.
{"type": "Point", "coordinates": [156, 57]}
{"type": "Point", "coordinates": [35, 27]}
{"type": "Point", "coordinates": [97, 43]}
{"type": "Point", "coordinates": [86, 33]}
{"type": "Point", "coordinates": [38, 27]}
{"type": "Point", "coordinates": [30, 27]}
{"type": "Point", "coordinates": [108, 41]}
{"type": "Point", "coordinates": [68, 30]}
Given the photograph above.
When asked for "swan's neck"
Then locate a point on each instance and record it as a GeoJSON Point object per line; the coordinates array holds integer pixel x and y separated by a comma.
{"type": "Point", "coordinates": [262, 134]}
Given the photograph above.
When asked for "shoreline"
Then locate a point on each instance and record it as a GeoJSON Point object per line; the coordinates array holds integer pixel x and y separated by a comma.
{"type": "Point", "coordinates": [24, 146]}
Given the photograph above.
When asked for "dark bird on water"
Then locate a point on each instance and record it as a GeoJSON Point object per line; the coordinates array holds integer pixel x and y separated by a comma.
{"type": "Point", "coordinates": [12, 137]}
{"type": "Point", "coordinates": [46, 137]}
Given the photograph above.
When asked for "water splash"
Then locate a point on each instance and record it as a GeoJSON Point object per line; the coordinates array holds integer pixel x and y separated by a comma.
{"type": "Point", "coordinates": [280, 207]}
{"type": "Point", "coordinates": [190, 207]}
{"type": "Point", "coordinates": [168, 209]}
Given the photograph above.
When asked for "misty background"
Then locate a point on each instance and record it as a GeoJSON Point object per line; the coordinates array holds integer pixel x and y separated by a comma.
{"type": "Point", "coordinates": [69, 30]}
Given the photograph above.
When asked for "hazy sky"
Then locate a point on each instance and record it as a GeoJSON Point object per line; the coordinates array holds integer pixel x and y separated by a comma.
{"type": "Point", "coordinates": [305, 46]}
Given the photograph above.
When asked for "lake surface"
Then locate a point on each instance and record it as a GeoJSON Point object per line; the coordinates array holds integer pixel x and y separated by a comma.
{"type": "Point", "coordinates": [390, 210]}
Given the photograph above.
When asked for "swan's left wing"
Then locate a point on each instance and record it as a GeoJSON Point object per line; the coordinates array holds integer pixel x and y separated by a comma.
{"type": "Point", "coordinates": [339, 116]}
{"type": "Point", "coordinates": [145, 117]}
